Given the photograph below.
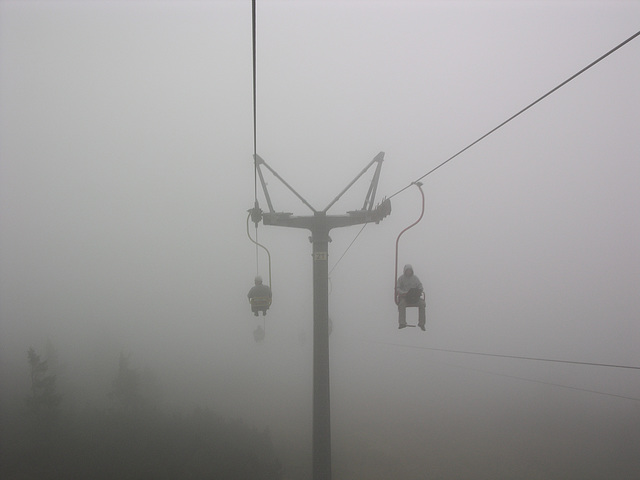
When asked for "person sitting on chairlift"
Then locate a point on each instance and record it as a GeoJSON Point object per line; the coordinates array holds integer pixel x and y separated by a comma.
{"type": "Point", "coordinates": [259, 297]}
{"type": "Point", "coordinates": [409, 290]}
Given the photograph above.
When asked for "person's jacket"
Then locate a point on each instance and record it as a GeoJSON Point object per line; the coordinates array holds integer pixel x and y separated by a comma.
{"type": "Point", "coordinates": [406, 283]}
{"type": "Point", "coordinates": [259, 290]}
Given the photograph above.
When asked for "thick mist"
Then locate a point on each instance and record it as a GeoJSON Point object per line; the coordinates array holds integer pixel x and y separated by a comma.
{"type": "Point", "coordinates": [126, 173]}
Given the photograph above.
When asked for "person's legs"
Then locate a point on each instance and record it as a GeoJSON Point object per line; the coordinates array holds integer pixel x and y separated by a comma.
{"type": "Point", "coordinates": [422, 317]}
{"type": "Point", "coordinates": [402, 313]}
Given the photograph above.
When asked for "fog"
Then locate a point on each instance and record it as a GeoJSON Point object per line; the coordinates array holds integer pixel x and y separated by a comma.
{"type": "Point", "coordinates": [126, 173]}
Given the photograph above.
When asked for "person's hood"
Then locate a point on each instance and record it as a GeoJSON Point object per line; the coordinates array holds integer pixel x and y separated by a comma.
{"type": "Point", "coordinates": [407, 267]}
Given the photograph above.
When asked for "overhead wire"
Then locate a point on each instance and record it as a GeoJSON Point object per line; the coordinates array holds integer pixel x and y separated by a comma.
{"type": "Point", "coordinates": [345, 252]}
{"type": "Point", "coordinates": [255, 134]}
{"type": "Point", "coordinates": [255, 142]}
{"type": "Point", "coordinates": [492, 130]}
{"type": "Point", "coordinates": [538, 359]}
{"type": "Point", "coordinates": [572, 77]}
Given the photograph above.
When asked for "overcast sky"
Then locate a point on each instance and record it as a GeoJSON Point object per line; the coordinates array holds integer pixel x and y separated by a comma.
{"type": "Point", "coordinates": [126, 170]}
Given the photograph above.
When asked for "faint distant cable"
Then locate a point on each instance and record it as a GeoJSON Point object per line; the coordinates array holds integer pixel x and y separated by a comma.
{"type": "Point", "coordinates": [521, 111]}
{"type": "Point", "coordinates": [514, 376]}
{"type": "Point", "coordinates": [542, 382]}
{"type": "Point", "coordinates": [345, 252]}
{"type": "Point", "coordinates": [538, 359]}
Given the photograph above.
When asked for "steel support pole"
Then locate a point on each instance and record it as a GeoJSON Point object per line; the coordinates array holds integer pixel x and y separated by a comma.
{"type": "Point", "coordinates": [321, 392]}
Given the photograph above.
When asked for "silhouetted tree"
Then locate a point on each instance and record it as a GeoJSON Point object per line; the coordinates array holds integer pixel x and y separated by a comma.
{"type": "Point", "coordinates": [43, 399]}
{"type": "Point", "coordinates": [126, 385]}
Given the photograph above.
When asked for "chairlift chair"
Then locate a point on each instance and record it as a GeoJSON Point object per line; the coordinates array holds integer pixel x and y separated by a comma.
{"type": "Point", "coordinates": [260, 304]}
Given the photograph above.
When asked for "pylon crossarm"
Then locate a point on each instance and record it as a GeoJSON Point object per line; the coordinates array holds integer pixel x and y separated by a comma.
{"type": "Point", "coordinates": [282, 219]}
{"type": "Point", "coordinates": [260, 161]}
{"type": "Point", "coordinates": [373, 187]}
{"type": "Point", "coordinates": [376, 215]}
{"type": "Point", "coordinates": [378, 158]}
{"type": "Point", "coordinates": [356, 217]}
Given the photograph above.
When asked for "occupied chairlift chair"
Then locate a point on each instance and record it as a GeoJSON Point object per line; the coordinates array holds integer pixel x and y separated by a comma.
{"type": "Point", "coordinates": [414, 296]}
{"type": "Point", "coordinates": [260, 304]}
